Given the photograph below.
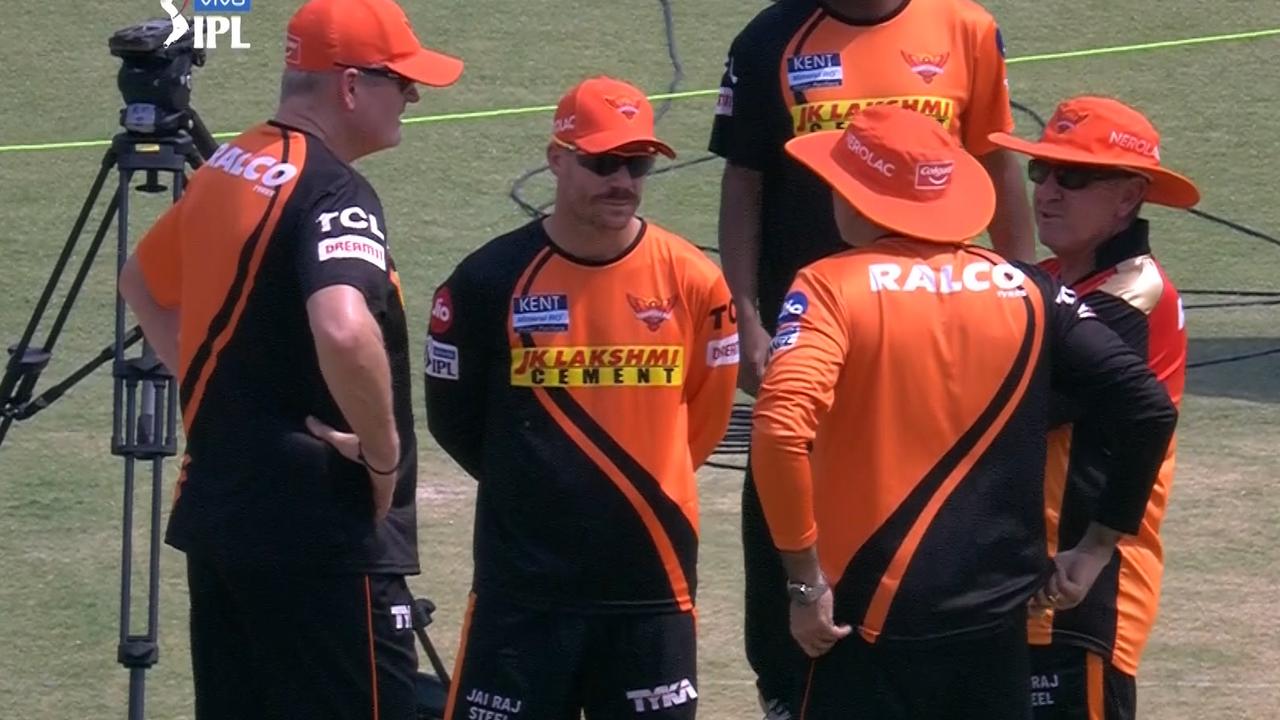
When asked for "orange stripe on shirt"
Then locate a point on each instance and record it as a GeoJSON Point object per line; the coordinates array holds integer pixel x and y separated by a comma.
{"type": "Point", "coordinates": [662, 542]}
{"type": "Point", "coordinates": [878, 611]}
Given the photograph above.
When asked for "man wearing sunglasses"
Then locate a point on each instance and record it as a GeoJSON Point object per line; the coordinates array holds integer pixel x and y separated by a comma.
{"type": "Point", "coordinates": [270, 291]}
{"type": "Point", "coordinates": [1095, 165]}
{"type": "Point", "coordinates": [581, 368]}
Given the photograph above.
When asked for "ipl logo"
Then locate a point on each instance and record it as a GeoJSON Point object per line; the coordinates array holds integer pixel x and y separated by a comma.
{"type": "Point", "coordinates": [208, 26]}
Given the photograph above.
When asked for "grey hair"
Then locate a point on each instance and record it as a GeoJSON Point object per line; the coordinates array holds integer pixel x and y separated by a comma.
{"type": "Point", "coordinates": [298, 83]}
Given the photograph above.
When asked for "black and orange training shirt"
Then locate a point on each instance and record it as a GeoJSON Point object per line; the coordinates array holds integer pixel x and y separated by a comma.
{"type": "Point", "coordinates": [583, 396]}
{"type": "Point", "coordinates": [799, 67]}
{"type": "Point", "coordinates": [901, 426]}
{"type": "Point", "coordinates": [1131, 293]}
{"type": "Point", "coordinates": [271, 218]}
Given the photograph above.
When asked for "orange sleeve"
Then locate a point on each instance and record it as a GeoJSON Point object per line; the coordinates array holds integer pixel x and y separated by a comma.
{"type": "Point", "coordinates": [160, 257]}
{"type": "Point", "coordinates": [988, 109]}
{"type": "Point", "coordinates": [805, 361]}
{"type": "Point", "coordinates": [713, 371]}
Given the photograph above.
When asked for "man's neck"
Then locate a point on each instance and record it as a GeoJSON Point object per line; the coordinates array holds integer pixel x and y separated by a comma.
{"type": "Point", "coordinates": [1075, 267]}
{"type": "Point", "coordinates": [587, 242]}
{"type": "Point", "coordinates": [864, 11]}
{"type": "Point", "coordinates": [313, 124]}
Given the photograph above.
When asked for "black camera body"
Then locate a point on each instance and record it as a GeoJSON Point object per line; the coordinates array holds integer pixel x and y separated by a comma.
{"type": "Point", "coordinates": [155, 78]}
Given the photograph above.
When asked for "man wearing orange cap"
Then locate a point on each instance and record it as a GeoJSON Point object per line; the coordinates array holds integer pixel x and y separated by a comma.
{"type": "Point", "coordinates": [899, 436]}
{"type": "Point", "coordinates": [805, 66]}
{"type": "Point", "coordinates": [1095, 165]}
{"type": "Point", "coordinates": [581, 368]}
{"type": "Point", "coordinates": [270, 291]}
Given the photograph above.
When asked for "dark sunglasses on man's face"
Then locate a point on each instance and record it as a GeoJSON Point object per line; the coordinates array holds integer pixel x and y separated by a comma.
{"type": "Point", "coordinates": [404, 82]}
{"type": "Point", "coordinates": [1071, 177]}
{"type": "Point", "coordinates": [607, 164]}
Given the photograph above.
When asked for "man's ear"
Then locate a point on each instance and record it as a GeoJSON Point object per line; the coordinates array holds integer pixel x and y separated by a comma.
{"type": "Point", "coordinates": [1132, 195]}
{"type": "Point", "coordinates": [556, 159]}
{"type": "Point", "coordinates": [347, 88]}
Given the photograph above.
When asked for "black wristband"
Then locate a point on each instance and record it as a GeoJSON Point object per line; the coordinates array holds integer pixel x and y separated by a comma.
{"type": "Point", "coordinates": [365, 461]}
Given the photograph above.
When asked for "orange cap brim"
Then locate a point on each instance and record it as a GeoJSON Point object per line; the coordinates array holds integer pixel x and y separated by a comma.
{"type": "Point", "coordinates": [609, 140]}
{"type": "Point", "coordinates": [1167, 187]}
{"type": "Point", "coordinates": [962, 214]}
{"type": "Point", "coordinates": [428, 67]}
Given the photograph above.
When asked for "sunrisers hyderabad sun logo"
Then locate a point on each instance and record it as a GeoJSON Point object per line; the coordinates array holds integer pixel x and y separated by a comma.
{"type": "Point", "coordinates": [927, 67]}
{"type": "Point", "coordinates": [651, 311]}
{"type": "Point", "coordinates": [629, 107]}
{"type": "Point", "coordinates": [1066, 120]}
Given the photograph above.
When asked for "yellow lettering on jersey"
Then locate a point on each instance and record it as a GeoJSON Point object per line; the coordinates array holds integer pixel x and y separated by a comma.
{"type": "Point", "coordinates": [835, 114]}
{"type": "Point", "coordinates": [598, 366]}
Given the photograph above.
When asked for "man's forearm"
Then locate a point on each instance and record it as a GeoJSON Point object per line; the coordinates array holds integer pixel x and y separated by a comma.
{"type": "Point", "coordinates": [802, 566]}
{"type": "Point", "coordinates": [159, 324]}
{"type": "Point", "coordinates": [1012, 231]}
{"type": "Point", "coordinates": [358, 375]}
{"type": "Point", "coordinates": [739, 236]}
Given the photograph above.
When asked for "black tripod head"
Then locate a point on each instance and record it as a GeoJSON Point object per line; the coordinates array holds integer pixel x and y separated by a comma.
{"type": "Point", "coordinates": [155, 82]}
{"type": "Point", "coordinates": [163, 135]}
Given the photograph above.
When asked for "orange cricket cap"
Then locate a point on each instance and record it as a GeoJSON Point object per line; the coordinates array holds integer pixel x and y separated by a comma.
{"type": "Point", "coordinates": [901, 170]}
{"type": "Point", "coordinates": [329, 34]}
{"type": "Point", "coordinates": [601, 114]}
{"type": "Point", "coordinates": [1099, 131]}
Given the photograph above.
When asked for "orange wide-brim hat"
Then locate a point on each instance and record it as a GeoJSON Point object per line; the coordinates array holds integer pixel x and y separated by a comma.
{"type": "Point", "coordinates": [1103, 132]}
{"type": "Point", "coordinates": [901, 170]}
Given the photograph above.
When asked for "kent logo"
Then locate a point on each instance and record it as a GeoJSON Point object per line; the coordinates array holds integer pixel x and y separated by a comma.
{"type": "Point", "coordinates": [212, 18]}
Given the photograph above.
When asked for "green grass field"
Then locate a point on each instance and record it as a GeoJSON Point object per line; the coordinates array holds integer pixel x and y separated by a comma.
{"type": "Point", "coordinates": [1216, 651]}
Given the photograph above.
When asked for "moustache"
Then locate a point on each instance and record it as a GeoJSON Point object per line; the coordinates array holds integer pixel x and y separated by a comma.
{"type": "Point", "coordinates": [617, 196]}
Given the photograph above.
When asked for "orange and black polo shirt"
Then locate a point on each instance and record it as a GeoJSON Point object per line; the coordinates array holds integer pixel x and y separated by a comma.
{"type": "Point", "coordinates": [271, 218]}
{"type": "Point", "coordinates": [582, 396]}
{"type": "Point", "coordinates": [799, 67]}
{"type": "Point", "coordinates": [902, 422]}
{"type": "Point", "coordinates": [1131, 293]}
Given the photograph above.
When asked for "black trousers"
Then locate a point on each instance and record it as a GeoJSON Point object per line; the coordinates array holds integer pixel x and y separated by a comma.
{"type": "Point", "coordinates": [1071, 683]}
{"type": "Point", "coordinates": [522, 663]}
{"type": "Point", "coordinates": [780, 665]}
{"type": "Point", "coordinates": [275, 644]}
{"type": "Point", "coordinates": [976, 678]}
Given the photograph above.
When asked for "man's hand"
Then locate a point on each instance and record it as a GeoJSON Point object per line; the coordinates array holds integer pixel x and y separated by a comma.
{"type": "Point", "coordinates": [754, 346]}
{"type": "Point", "coordinates": [1077, 570]}
{"type": "Point", "coordinates": [813, 626]}
{"type": "Point", "coordinates": [348, 446]}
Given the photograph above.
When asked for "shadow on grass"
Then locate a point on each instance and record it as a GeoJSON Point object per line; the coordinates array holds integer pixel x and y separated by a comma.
{"type": "Point", "coordinates": [1256, 379]}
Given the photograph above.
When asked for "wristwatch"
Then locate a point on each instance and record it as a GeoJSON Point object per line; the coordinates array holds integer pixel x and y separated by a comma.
{"type": "Point", "coordinates": [805, 594]}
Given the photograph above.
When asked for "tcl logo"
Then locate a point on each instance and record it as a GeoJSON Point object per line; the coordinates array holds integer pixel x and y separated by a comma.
{"type": "Point", "coordinates": [353, 218]}
{"type": "Point", "coordinates": [441, 311]}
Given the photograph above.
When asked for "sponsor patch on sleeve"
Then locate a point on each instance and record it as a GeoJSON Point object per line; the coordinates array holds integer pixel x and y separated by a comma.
{"type": "Point", "coordinates": [355, 247]}
{"type": "Point", "coordinates": [724, 103]}
{"type": "Point", "coordinates": [723, 351]}
{"type": "Point", "coordinates": [784, 340]}
{"type": "Point", "coordinates": [794, 305]}
{"type": "Point", "coordinates": [442, 360]}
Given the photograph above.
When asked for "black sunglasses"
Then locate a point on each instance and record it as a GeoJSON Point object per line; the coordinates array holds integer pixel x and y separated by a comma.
{"type": "Point", "coordinates": [1071, 177]}
{"type": "Point", "coordinates": [404, 82]}
{"type": "Point", "coordinates": [607, 164]}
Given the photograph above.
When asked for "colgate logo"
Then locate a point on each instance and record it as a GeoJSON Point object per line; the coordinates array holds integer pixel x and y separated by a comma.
{"type": "Point", "coordinates": [934, 176]}
{"type": "Point", "coordinates": [566, 124]}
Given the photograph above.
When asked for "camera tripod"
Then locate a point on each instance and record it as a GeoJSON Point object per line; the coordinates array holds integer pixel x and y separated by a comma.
{"type": "Point", "coordinates": [144, 395]}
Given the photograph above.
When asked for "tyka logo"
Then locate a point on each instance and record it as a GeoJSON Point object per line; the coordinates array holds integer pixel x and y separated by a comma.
{"type": "Point", "coordinates": [212, 18]}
